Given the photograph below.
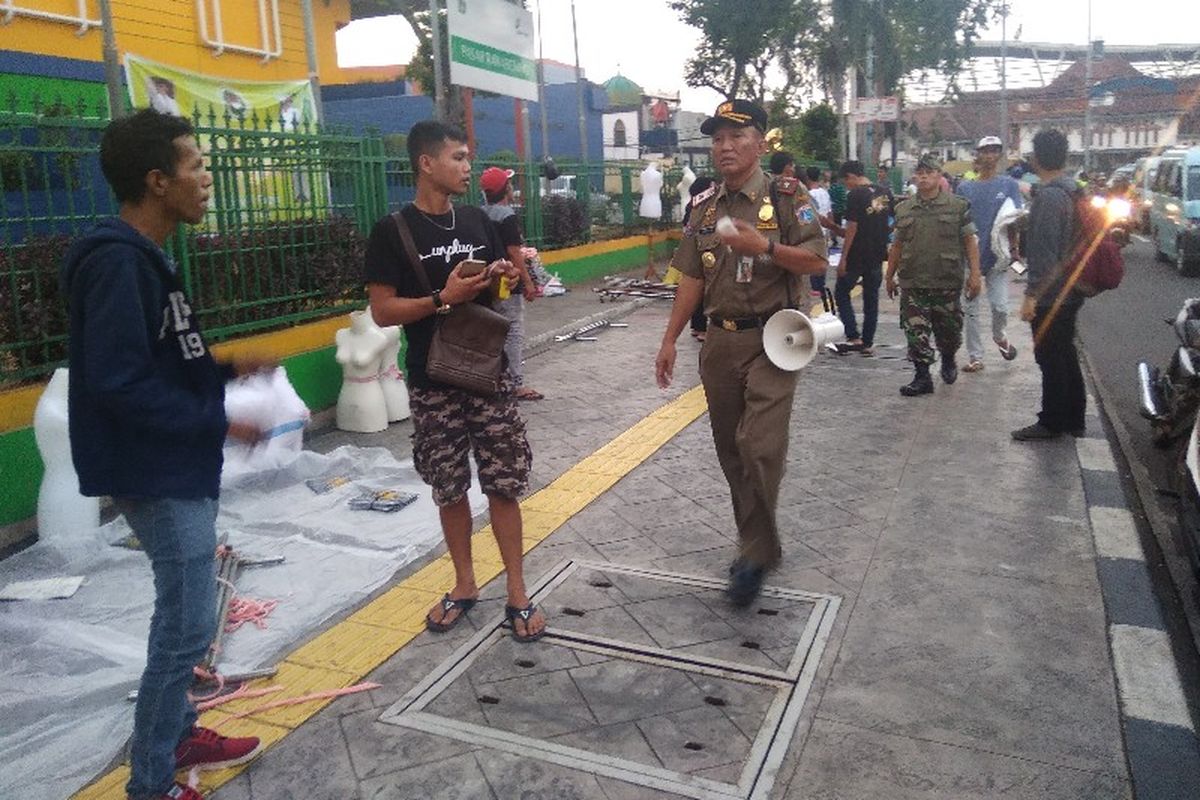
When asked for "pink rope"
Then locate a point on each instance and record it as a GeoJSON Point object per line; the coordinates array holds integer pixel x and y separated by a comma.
{"type": "Point", "coordinates": [243, 692]}
{"type": "Point", "coordinates": [308, 698]}
{"type": "Point", "coordinates": [247, 609]}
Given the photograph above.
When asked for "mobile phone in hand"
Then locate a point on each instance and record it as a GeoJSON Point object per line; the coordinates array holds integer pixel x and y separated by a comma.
{"type": "Point", "coordinates": [471, 267]}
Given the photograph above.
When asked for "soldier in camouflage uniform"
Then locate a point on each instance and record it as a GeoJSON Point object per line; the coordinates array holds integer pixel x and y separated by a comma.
{"type": "Point", "coordinates": [934, 232]}
{"type": "Point", "coordinates": [741, 279]}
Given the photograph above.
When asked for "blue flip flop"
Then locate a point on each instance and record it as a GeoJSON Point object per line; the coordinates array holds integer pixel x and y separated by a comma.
{"type": "Point", "coordinates": [448, 604]}
{"type": "Point", "coordinates": [512, 613]}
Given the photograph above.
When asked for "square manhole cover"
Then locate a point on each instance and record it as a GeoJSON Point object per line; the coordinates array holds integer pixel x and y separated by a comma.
{"type": "Point", "coordinates": [644, 676]}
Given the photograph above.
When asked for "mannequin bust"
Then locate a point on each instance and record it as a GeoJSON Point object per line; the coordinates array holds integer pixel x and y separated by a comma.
{"type": "Point", "coordinates": [683, 187]}
{"type": "Point", "coordinates": [652, 182]}
{"type": "Point", "coordinates": [395, 393]}
{"type": "Point", "coordinates": [64, 516]}
{"type": "Point", "coordinates": [361, 405]}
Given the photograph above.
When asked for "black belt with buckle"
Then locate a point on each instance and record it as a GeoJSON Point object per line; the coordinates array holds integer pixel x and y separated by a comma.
{"type": "Point", "coordinates": [742, 324]}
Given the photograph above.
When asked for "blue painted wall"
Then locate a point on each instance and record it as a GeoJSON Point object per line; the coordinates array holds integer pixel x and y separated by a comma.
{"type": "Point", "coordinates": [384, 107]}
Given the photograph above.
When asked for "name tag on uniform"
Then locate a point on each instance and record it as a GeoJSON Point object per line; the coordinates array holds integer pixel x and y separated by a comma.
{"type": "Point", "coordinates": [745, 269]}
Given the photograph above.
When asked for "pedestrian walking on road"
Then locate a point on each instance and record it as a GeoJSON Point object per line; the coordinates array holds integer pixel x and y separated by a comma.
{"type": "Point", "coordinates": [742, 278]}
{"type": "Point", "coordinates": [987, 194]}
{"type": "Point", "coordinates": [868, 210]}
{"type": "Point", "coordinates": [498, 194]}
{"type": "Point", "coordinates": [934, 233]}
{"type": "Point", "coordinates": [449, 422]}
{"type": "Point", "coordinates": [1048, 244]}
{"type": "Point", "coordinates": [147, 427]}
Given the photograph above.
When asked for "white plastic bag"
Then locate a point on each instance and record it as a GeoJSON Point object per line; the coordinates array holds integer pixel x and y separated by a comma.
{"type": "Point", "coordinates": [268, 401]}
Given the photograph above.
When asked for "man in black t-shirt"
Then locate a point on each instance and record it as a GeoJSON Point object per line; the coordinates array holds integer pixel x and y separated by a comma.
{"type": "Point", "coordinates": [449, 422]}
{"type": "Point", "coordinates": [868, 224]}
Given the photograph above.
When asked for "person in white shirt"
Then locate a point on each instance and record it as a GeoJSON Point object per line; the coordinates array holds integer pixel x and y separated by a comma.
{"type": "Point", "coordinates": [821, 199]}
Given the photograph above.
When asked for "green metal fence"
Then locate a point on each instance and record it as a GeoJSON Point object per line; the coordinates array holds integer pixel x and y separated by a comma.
{"type": "Point", "coordinates": [284, 237]}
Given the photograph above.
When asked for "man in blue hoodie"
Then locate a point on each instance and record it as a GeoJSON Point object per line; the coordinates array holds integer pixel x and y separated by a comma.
{"type": "Point", "coordinates": [147, 427]}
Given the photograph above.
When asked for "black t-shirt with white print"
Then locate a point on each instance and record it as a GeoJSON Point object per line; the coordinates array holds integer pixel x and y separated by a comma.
{"type": "Point", "coordinates": [442, 241]}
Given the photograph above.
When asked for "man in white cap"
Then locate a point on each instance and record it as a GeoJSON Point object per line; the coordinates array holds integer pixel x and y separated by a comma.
{"type": "Point", "coordinates": [987, 194]}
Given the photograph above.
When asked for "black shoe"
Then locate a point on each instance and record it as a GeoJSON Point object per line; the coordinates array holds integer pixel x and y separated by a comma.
{"type": "Point", "coordinates": [949, 370]}
{"type": "Point", "coordinates": [1078, 433]}
{"type": "Point", "coordinates": [1035, 432]}
{"type": "Point", "coordinates": [921, 384]}
{"type": "Point", "coordinates": [744, 584]}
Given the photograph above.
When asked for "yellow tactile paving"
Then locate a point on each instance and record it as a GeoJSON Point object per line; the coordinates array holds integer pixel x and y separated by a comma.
{"type": "Point", "coordinates": [401, 608]}
{"type": "Point", "coordinates": [350, 647]}
{"type": "Point", "coordinates": [348, 651]}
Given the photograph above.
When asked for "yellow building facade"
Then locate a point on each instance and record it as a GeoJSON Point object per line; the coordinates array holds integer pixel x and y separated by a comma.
{"type": "Point", "coordinates": [57, 45]}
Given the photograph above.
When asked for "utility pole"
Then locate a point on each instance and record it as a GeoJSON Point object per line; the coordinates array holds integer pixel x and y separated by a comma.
{"type": "Point", "coordinates": [1004, 85]}
{"type": "Point", "coordinates": [583, 139]}
{"type": "Point", "coordinates": [869, 133]}
{"type": "Point", "coordinates": [112, 65]}
{"type": "Point", "coordinates": [439, 87]}
{"type": "Point", "coordinates": [310, 47]}
{"type": "Point", "coordinates": [541, 76]}
{"type": "Point", "coordinates": [1087, 96]}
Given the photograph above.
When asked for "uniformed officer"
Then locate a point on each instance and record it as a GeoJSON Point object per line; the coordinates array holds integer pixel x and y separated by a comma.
{"type": "Point", "coordinates": [742, 279]}
{"type": "Point", "coordinates": [934, 231]}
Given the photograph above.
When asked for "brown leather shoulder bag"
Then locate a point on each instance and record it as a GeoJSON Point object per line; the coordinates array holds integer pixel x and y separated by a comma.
{"type": "Point", "coordinates": [467, 350]}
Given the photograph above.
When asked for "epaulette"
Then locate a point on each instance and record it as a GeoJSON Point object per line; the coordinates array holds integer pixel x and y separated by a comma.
{"type": "Point", "coordinates": [707, 193]}
{"type": "Point", "coordinates": [786, 185]}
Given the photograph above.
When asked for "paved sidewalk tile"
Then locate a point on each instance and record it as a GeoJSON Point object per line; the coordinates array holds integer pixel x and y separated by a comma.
{"type": "Point", "coordinates": [968, 659]}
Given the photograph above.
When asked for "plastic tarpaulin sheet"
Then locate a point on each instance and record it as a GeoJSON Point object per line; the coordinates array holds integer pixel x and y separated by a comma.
{"type": "Point", "coordinates": [66, 666]}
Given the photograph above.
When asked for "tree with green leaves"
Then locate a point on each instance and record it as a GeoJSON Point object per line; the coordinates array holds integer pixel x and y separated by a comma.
{"type": "Point", "coordinates": [908, 36]}
{"type": "Point", "coordinates": [745, 42]}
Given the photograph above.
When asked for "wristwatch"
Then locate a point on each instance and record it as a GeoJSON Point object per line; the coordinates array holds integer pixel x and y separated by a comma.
{"type": "Point", "coordinates": [769, 256]}
{"type": "Point", "coordinates": [440, 306]}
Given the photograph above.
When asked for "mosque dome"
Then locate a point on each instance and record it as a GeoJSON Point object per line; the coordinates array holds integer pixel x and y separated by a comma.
{"type": "Point", "coordinates": [622, 91]}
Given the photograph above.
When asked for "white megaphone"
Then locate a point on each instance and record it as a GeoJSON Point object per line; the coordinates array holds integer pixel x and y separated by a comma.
{"type": "Point", "coordinates": [791, 338]}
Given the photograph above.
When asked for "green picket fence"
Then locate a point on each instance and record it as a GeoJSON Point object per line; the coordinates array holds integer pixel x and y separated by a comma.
{"type": "Point", "coordinates": [285, 235]}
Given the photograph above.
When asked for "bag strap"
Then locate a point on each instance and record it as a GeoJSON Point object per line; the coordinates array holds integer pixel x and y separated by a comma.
{"type": "Point", "coordinates": [410, 249]}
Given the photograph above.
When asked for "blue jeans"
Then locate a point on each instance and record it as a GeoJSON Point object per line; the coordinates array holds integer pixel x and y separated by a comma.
{"type": "Point", "coordinates": [871, 278]}
{"type": "Point", "coordinates": [180, 538]}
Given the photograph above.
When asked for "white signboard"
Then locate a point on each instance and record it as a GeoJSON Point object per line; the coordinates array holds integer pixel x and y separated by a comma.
{"type": "Point", "coordinates": [491, 47]}
{"type": "Point", "coordinates": [881, 109]}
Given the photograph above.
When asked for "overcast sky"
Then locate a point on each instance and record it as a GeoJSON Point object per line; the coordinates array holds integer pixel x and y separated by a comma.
{"type": "Point", "coordinates": [647, 43]}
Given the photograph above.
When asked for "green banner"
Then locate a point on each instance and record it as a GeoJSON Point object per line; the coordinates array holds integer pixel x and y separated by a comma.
{"type": "Point", "coordinates": [482, 56]}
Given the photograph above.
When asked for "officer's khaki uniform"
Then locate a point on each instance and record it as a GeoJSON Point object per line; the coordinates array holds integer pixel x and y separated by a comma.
{"type": "Point", "coordinates": [930, 272]}
{"type": "Point", "coordinates": [749, 398]}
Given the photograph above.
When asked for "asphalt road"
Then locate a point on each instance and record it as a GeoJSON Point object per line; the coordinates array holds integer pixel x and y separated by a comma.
{"type": "Point", "coordinates": [1125, 326]}
{"type": "Point", "coordinates": [1118, 329]}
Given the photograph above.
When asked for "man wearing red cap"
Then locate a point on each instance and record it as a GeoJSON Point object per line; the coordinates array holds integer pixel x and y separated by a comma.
{"type": "Point", "coordinates": [498, 194]}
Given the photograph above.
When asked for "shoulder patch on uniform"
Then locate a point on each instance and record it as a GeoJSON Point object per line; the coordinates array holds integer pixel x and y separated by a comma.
{"type": "Point", "coordinates": [805, 213]}
{"type": "Point", "coordinates": [707, 193]}
{"type": "Point", "coordinates": [785, 185]}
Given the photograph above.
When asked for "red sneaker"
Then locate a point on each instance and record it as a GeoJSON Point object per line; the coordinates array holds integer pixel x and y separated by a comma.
{"type": "Point", "coordinates": [207, 749]}
{"type": "Point", "coordinates": [181, 792]}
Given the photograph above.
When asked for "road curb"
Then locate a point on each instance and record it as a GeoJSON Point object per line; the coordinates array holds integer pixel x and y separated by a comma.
{"type": "Point", "coordinates": [1161, 747]}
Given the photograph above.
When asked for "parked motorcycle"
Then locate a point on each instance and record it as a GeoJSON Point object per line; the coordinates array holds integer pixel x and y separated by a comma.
{"type": "Point", "coordinates": [1169, 399]}
{"type": "Point", "coordinates": [1187, 489]}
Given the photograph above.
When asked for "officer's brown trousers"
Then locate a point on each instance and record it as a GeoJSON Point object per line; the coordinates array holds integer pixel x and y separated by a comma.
{"type": "Point", "coordinates": [750, 407]}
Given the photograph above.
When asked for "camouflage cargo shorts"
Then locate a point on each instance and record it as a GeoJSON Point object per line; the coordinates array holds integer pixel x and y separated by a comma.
{"type": "Point", "coordinates": [449, 423]}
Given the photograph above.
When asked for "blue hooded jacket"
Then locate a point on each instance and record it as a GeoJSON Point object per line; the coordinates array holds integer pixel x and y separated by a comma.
{"type": "Point", "coordinates": [146, 401]}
